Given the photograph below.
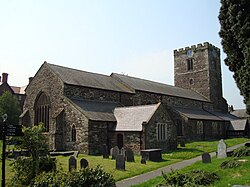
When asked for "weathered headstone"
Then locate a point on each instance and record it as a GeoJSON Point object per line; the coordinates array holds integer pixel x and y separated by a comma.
{"type": "Point", "coordinates": [182, 143]}
{"type": "Point", "coordinates": [123, 151]}
{"type": "Point", "coordinates": [120, 162]}
{"type": "Point", "coordinates": [84, 163]}
{"type": "Point", "coordinates": [143, 160]}
{"type": "Point", "coordinates": [105, 152]}
{"type": "Point", "coordinates": [115, 152]}
{"type": "Point", "coordinates": [130, 155]}
{"type": "Point", "coordinates": [72, 163]}
{"type": "Point", "coordinates": [222, 149]}
{"type": "Point", "coordinates": [206, 158]}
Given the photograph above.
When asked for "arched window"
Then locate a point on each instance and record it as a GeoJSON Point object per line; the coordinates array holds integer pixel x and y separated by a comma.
{"type": "Point", "coordinates": [73, 133]}
{"type": "Point", "coordinates": [42, 111]}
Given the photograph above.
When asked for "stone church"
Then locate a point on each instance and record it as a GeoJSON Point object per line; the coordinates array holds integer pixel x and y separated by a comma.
{"type": "Point", "coordinates": [82, 110]}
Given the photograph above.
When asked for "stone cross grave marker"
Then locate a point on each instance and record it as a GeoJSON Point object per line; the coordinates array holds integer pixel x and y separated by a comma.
{"type": "Point", "coordinates": [72, 163]}
{"type": "Point", "coordinates": [120, 162]}
{"type": "Point", "coordinates": [84, 163]}
{"type": "Point", "coordinates": [115, 151]}
{"type": "Point", "coordinates": [105, 152]}
{"type": "Point", "coordinates": [206, 158]}
{"type": "Point", "coordinates": [130, 155]}
{"type": "Point", "coordinates": [222, 149]}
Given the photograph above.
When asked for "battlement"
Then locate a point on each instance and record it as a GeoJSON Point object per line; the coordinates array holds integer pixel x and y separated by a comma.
{"type": "Point", "coordinates": [200, 46]}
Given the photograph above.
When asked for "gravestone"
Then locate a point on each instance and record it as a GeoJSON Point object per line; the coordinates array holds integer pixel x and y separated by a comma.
{"type": "Point", "coordinates": [143, 160]}
{"type": "Point", "coordinates": [206, 158]}
{"type": "Point", "coordinates": [72, 163]}
{"type": "Point", "coordinates": [182, 143]}
{"type": "Point", "coordinates": [84, 163]}
{"type": "Point", "coordinates": [114, 152]}
{"type": "Point", "coordinates": [222, 149]}
{"type": "Point", "coordinates": [105, 152]}
{"type": "Point", "coordinates": [130, 155]}
{"type": "Point", "coordinates": [120, 162]}
{"type": "Point", "coordinates": [123, 151]}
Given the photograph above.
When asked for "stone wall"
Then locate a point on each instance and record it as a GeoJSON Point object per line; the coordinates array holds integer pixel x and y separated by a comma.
{"type": "Point", "coordinates": [72, 91]}
{"type": "Point", "coordinates": [131, 140]}
{"type": "Point", "coordinates": [75, 117]}
{"type": "Point", "coordinates": [97, 136]}
{"type": "Point", "coordinates": [161, 116]}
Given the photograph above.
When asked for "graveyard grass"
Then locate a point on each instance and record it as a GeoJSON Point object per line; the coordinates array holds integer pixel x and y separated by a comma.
{"type": "Point", "coordinates": [228, 177]}
{"type": "Point", "coordinates": [135, 168]}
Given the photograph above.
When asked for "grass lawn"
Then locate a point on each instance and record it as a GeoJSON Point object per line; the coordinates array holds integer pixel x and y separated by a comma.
{"type": "Point", "coordinates": [191, 150]}
{"type": "Point", "coordinates": [228, 177]}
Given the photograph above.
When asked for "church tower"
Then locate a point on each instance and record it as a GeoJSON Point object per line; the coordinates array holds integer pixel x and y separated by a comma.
{"type": "Point", "coordinates": [199, 68]}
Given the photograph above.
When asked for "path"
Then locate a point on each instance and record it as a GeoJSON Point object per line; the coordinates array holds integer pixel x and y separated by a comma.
{"type": "Point", "coordinates": [152, 174]}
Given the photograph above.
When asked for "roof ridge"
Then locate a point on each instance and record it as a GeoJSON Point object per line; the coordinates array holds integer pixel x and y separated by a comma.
{"type": "Point", "coordinates": [79, 70]}
{"type": "Point", "coordinates": [138, 106]}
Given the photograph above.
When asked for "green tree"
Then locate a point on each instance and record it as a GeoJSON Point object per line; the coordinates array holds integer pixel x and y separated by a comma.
{"type": "Point", "coordinates": [9, 105]}
{"type": "Point", "coordinates": [26, 169]}
{"type": "Point", "coordinates": [235, 33]}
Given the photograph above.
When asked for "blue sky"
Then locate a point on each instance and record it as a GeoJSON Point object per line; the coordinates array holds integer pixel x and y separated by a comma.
{"type": "Point", "coordinates": [134, 37]}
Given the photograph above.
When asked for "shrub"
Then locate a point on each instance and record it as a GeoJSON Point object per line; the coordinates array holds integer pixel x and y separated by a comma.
{"type": "Point", "coordinates": [233, 163]}
{"type": "Point", "coordinates": [23, 172]}
{"type": "Point", "coordinates": [191, 179]}
{"type": "Point", "coordinates": [88, 177]}
{"type": "Point", "coordinates": [241, 152]}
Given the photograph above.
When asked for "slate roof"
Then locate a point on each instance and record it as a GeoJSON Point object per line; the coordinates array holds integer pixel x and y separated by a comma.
{"type": "Point", "coordinates": [159, 88]}
{"type": "Point", "coordinates": [87, 79]}
{"type": "Point", "coordinates": [131, 118]}
{"type": "Point", "coordinates": [224, 116]}
{"type": "Point", "coordinates": [241, 113]}
{"type": "Point", "coordinates": [97, 110]}
{"type": "Point", "coordinates": [238, 125]}
{"type": "Point", "coordinates": [197, 114]}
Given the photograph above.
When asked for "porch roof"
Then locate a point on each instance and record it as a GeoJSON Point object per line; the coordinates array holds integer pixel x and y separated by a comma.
{"type": "Point", "coordinates": [132, 118]}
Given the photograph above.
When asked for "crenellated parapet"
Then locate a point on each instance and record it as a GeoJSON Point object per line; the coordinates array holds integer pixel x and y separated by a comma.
{"type": "Point", "coordinates": [205, 45]}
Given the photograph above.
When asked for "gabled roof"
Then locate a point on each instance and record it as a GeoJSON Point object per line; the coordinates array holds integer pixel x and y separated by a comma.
{"type": "Point", "coordinates": [132, 118]}
{"type": "Point", "coordinates": [197, 114]}
{"type": "Point", "coordinates": [241, 113]}
{"type": "Point", "coordinates": [97, 110]}
{"type": "Point", "coordinates": [87, 79]}
{"type": "Point", "coordinates": [159, 88]}
{"type": "Point", "coordinates": [238, 125]}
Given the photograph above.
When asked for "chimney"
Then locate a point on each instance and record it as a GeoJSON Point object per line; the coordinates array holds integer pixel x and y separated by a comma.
{"type": "Point", "coordinates": [230, 108]}
{"type": "Point", "coordinates": [5, 77]}
{"type": "Point", "coordinates": [30, 79]}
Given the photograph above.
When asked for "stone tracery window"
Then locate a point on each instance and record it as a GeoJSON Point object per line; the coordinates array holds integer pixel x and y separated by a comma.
{"type": "Point", "coordinates": [73, 133]}
{"type": "Point", "coordinates": [161, 131]}
{"type": "Point", "coordinates": [42, 111]}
